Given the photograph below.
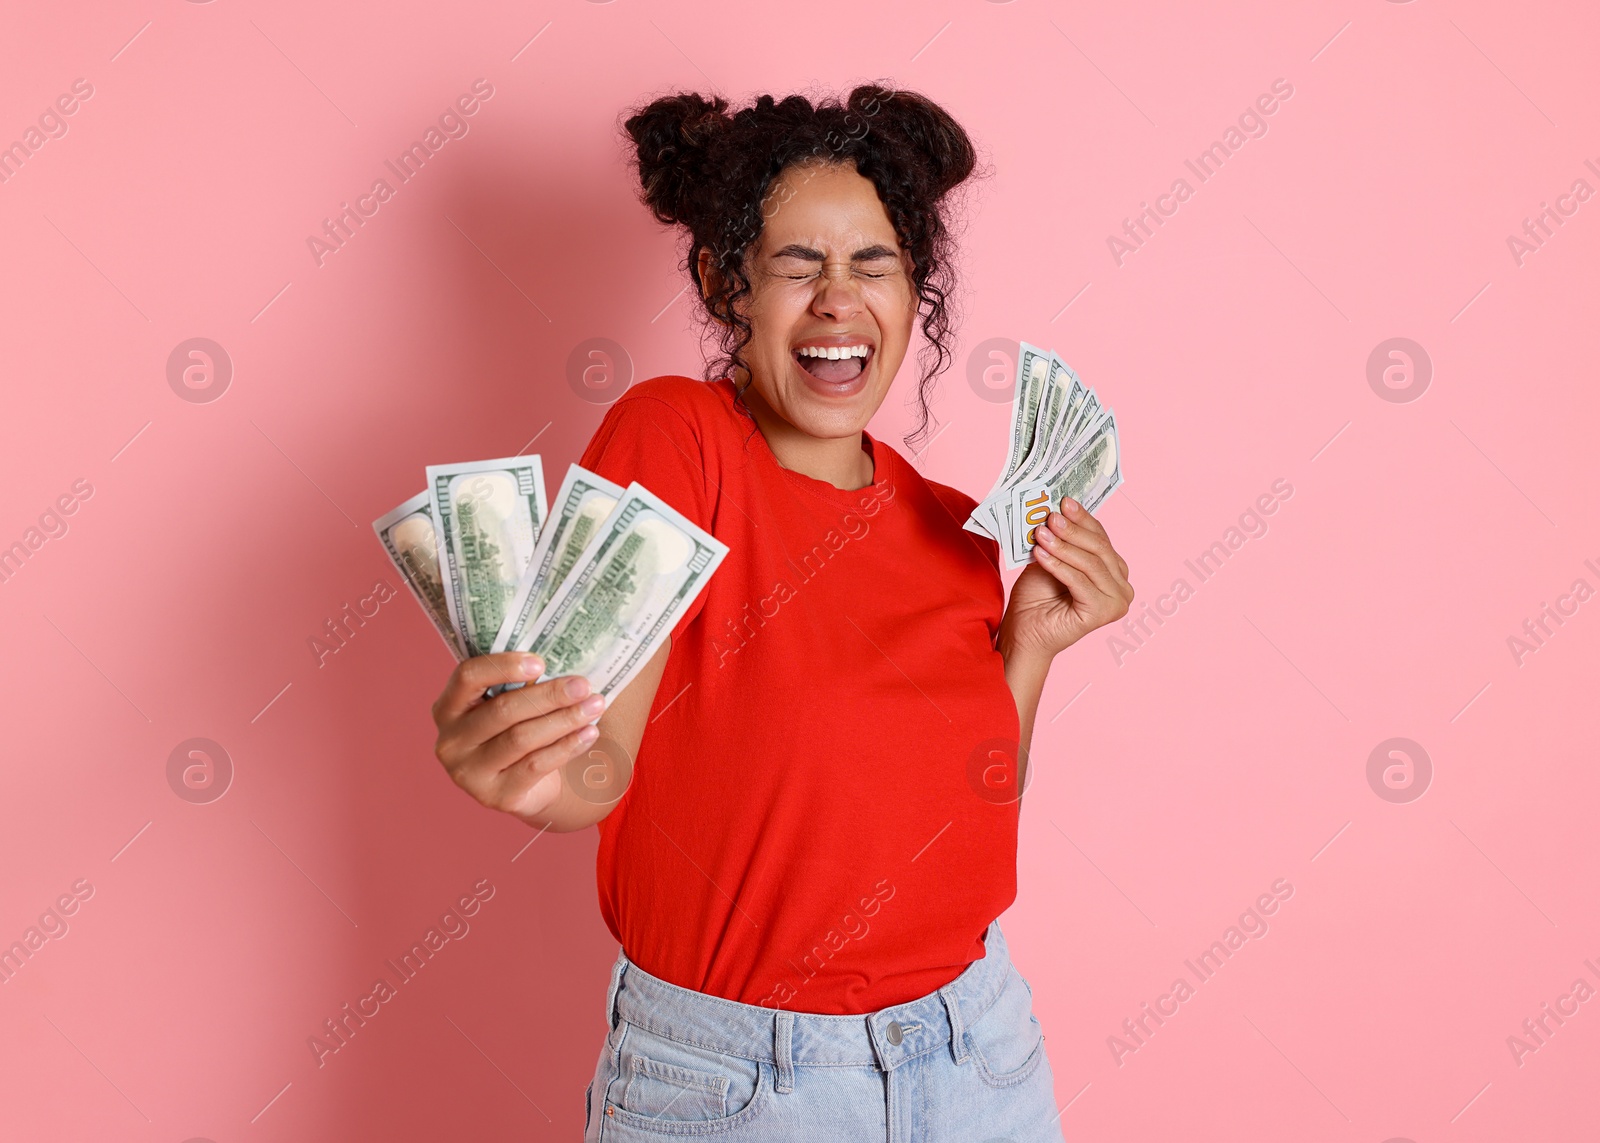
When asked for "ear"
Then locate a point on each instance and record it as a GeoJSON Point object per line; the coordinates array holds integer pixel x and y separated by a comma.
{"type": "Point", "coordinates": [710, 279]}
{"type": "Point", "coordinates": [708, 274]}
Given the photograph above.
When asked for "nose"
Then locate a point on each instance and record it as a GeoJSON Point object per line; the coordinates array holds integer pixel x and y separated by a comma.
{"type": "Point", "coordinates": [838, 295]}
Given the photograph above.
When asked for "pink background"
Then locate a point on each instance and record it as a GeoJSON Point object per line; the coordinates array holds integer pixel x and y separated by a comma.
{"type": "Point", "coordinates": [1230, 750]}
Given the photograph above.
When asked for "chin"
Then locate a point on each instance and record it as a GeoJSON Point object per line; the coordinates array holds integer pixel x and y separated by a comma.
{"type": "Point", "coordinates": [831, 424]}
{"type": "Point", "coordinates": [832, 413]}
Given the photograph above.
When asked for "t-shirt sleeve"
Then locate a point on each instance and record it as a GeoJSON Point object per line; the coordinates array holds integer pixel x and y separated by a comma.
{"type": "Point", "coordinates": [647, 440]}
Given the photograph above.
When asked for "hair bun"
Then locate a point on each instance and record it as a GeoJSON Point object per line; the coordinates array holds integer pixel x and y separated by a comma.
{"type": "Point", "coordinates": [940, 142]}
{"type": "Point", "coordinates": [673, 137]}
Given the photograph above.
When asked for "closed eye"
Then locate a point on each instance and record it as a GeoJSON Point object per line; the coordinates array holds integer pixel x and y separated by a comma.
{"type": "Point", "coordinates": [877, 261]}
{"type": "Point", "coordinates": [813, 275]}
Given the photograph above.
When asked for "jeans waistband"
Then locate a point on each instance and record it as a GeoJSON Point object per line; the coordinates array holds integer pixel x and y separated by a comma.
{"type": "Point", "coordinates": [884, 1039]}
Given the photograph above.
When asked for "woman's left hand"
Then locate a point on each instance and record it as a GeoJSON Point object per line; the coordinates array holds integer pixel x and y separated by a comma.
{"type": "Point", "coordinates": [1075, 583]}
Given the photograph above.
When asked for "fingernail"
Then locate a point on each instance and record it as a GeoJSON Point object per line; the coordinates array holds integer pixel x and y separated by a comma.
{"type": "Point", "coordinates": [594, 704]}
{"type": "Point", "coordinates": [588, 734]}
{"type": "Point", "coordinates": [1069, 505]}
{"type": "Point", "coordinates": [1056, 518]}
{"type": "Point", "coordinates": [531, 666]}
{"type": "Point", "coordinates": [577, 686]}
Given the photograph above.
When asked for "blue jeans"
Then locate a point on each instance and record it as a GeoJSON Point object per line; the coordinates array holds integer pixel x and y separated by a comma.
{"type": "Point", "coordinates": [966, 1063]}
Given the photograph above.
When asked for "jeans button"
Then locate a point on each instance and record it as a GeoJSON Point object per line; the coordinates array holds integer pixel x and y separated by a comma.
{"type": "Point", "coordinates": [894, 1032]}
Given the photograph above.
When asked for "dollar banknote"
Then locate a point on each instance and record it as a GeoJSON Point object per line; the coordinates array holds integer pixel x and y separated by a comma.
{"type": "Point", "coordinates": [487, 514]}
{"type": "Point", "coordinates": [1092, 472]}
{"type": "Point", "coordinates": [1081, 407]}
{"type": "Point", "coordinates": [1059, 413]}
{"type": "Point", "coordinates": [1062, 444]}
{"type": "Point", "coordinates": [582, 502]}
{"type": "Point", "coordinates": [407, 534]}
{"type": "Point", "coordinates": [628, 589]}
{"type": "Point", "coordinates": [1027, 397]}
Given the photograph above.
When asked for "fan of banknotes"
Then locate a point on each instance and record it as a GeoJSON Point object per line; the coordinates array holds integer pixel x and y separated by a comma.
{"type": "Point", "coordinates": [1062, 444]}
{"type": "Point", "coordinates": [593, 585]}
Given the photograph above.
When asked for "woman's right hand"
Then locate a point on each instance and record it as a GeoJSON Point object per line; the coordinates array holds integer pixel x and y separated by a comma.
{"type": "Point", "coordinates": [508, 751]}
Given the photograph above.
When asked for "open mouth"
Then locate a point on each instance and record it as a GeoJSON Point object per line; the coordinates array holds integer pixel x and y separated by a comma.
{"type": "Point", "coordinates": [834, 364]}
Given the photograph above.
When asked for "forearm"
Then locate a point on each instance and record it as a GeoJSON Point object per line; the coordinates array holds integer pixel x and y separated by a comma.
{"type": "Point", "coordinates": [1026, 670]}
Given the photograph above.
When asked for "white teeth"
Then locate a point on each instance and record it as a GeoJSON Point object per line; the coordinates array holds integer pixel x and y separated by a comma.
{"type": "Point", "coordinates": [834, 352]}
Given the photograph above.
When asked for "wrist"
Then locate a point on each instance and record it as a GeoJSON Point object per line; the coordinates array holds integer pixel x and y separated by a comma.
{"type": "Point", "coordinates": [1025, 665]}
{"type": "Point", "coordinates": [1019, 651]}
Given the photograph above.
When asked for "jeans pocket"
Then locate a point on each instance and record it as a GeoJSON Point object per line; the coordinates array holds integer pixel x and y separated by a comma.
{"type": "Point", "coordinates": [672, 1087]}
{"type": "Point", "coordinates": [666, 1091]}
{"type": "Point", "coordinates": [1007, 1042]}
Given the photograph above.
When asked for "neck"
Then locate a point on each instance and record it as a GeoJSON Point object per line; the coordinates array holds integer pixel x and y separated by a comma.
{"type": "Point", "coordinates": [840, 461]}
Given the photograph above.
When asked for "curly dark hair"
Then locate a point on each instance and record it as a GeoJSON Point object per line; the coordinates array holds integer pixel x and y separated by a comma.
{"type": "Point", "coordinates": [708, 171]}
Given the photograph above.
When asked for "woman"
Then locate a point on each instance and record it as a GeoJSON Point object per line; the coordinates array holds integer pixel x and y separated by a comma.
{"type": "Point", "coordinates": [803, 841]}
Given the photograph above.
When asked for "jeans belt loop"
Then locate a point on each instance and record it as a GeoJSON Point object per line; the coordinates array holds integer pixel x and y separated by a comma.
{"type": "Point", "coordinates": [958, 1033]}
{"type": "Point", "coordinates": [783, 1049]}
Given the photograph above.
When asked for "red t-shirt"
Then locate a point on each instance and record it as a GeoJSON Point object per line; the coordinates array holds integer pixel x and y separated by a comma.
{"type": "Point", "coordinates": [814, 821]}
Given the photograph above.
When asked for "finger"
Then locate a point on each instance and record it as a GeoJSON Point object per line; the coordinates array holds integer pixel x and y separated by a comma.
{"type": "Point", "coordinates": [537, 778]}
{"type": "Point", "coordinates": [1079, 532]}
{"type": "Point", "coordinates": [490, 717]}
{"type": "Point", "coordinates": [1091, 563]}
{"type": "Point", "coordinates": [1095, 540]}
{"type": "Point", "coordinates": [475, 675]}
{"type": "Point", "coordinates": [1080, 585]}
{"type": "Point", "coordinates": [516, 742]}
{"type": "Point", "coordinates": [1076, 512]}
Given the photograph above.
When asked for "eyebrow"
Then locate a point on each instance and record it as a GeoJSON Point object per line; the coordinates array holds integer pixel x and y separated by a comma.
{"type": "Point", "coordinates": [809, 254]}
